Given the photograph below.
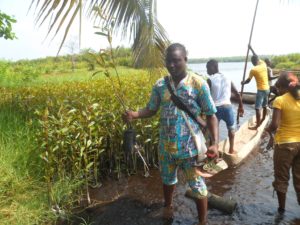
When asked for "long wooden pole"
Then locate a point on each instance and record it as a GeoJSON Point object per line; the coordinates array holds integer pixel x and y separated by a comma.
{"type": "Point", "coordinates": [246, 60]}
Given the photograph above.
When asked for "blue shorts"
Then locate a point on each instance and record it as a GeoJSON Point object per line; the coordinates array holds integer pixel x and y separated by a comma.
{"type": "Point", "coordinates": [168, 171]}
{"type": "Point", "coordinates": [225, 113]}
{"type": "Point", "coordinates": [261, 99]}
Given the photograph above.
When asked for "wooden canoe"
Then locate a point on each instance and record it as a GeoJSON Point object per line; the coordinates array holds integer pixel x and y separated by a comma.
{"type": "Point", "coordinates": [245, 141]}
{"type": "Point", "coordinates": [247, 98]}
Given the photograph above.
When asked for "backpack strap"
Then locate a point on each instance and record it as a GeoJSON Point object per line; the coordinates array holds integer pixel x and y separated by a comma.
{"type": "Point", "coordinates": [178, 102]}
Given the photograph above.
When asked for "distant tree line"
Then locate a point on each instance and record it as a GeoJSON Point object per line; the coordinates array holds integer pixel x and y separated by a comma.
{"type": "Point", "coordinates": [224, 59]}
{"type": "Point", "coordinates": [289, 62]}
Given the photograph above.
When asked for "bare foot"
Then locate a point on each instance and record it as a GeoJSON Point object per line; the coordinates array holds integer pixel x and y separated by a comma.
{"type": "Point", "coordinates": [232, 152]}
{"type": "Point", "coordinates": [163, 213]}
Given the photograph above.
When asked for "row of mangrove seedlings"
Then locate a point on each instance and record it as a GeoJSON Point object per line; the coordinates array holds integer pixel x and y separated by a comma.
{"type": "Point", "coordinates": [79, 130]}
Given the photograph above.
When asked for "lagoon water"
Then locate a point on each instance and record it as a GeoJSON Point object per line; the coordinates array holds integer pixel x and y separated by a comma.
{"type": "Point", "coordinates": [132, 201]}
{"type": "Point", "coordinates": [233, 70]}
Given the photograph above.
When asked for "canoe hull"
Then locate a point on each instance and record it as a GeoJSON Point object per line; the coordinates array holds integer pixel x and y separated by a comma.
{"type": "Point", "coordinates": [245, 141]}
{"type": "Point", "coordinates": [247, 98]}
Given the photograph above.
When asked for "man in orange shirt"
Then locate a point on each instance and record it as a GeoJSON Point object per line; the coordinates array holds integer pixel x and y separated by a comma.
{"type": "Point", "coordinates": [260, 73]}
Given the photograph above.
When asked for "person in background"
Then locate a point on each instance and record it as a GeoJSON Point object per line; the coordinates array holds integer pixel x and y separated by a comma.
{"type": "Point", "coordinates": [273, 89]}
{"type": "Point", "coordinates": [221, 88]}
{"type": "Point", "coordinates": [260, 73]}
{"type": "Point", "coordinates": [176, 147]}
{"type": "Point", "coordinates": [286, 124]}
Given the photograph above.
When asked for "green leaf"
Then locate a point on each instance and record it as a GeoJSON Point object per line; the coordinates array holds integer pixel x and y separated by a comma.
{"type": "Point", "coordinates": [101, 33]}
{"type": "Point", "coordinates": [89, 142]}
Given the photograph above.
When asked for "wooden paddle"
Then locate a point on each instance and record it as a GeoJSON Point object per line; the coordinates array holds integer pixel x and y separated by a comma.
{"type": "Point", "coordinates": [246, 60]}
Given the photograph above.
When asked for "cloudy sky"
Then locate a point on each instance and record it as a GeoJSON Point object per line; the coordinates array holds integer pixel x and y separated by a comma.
{"type": "Point", "coordinates": [208, 28]}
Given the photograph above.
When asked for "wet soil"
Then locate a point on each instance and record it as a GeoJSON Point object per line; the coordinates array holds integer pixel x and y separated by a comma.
{"type": "Point", "coordinates": [134, 200]}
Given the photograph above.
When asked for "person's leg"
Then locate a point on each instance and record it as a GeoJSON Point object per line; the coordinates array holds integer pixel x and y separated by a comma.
{"type": "Point", "coordinates": [257, 114]}
{"type": "Point", "coordinates": [258, 105]}
{"type": "Point", "coordinates": [264, 114]}
{"type": "Point", "coordinates": [168, 171]}
{"type": "Point", "coordinates": [296, 173]}
{"type": "Point", "coordinates": [198, 187]}
{"type": "Point", "coordinates": [168, 195]}
{"type": "Point", "coordinates": [231, 134]}
{"type": "Point", "coordinates": [281, 201]}
{"type": "Point", "coordinates": [283, 159]}
{"type": "Point", "coordinates": [229, 120]}
{"type": "Point", "coordinates": [264, 105]}
{"type": "Point", "coordinates": [201, 205]}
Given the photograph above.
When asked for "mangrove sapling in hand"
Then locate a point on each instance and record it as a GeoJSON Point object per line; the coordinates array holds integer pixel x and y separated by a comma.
{"type": "Point", "coordinates": [106, 60]}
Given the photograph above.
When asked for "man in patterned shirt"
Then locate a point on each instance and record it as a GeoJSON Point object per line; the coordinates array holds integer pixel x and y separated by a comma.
{"type": "Point", "coordinates": [176, 147]}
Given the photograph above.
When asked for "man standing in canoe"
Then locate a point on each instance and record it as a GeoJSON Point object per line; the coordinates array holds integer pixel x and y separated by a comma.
{"type": "Point", "coordinates": [176, 146]}
{"type": "Point", "coordinates": [260, 73]}
{"type": "Point", "coordinates": [221, 88]}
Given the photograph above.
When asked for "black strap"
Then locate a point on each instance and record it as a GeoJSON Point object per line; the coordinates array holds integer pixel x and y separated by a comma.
{"type": "Point", "coordinates": [178, 102]}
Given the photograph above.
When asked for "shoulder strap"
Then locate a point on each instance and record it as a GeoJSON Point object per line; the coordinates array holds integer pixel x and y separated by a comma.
{"type": "Point", "coordinates": [177, 101]}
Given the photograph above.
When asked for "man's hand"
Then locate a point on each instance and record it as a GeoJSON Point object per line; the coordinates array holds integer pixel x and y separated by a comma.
{"type": "Point", "coordinates": [241, 111]}
{"type": "Point", "coordinates": [212, 151]}
{"type": "Point", "coordinates": [128, 116]}
{"type": "Point", "coordinates": [271, 140]}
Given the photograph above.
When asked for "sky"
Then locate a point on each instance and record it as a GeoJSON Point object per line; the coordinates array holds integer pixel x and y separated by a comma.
{"type": "Point", "coordinates": [208, 28]}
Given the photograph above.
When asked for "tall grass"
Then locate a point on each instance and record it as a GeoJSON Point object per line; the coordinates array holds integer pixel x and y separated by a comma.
{"type": "Point", "coordinates": [24, 198]}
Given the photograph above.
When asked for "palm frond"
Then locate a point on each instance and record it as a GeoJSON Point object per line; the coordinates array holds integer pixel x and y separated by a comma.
{"type": "Point", "coordinates": [134, 19]}
{"type": "Point", "coordinates": [138, 18]}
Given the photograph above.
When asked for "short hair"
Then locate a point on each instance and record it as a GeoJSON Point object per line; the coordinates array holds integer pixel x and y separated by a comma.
{"type": "Point", "coordinates": [212, 62]}
{"type": "Point", "coordinates": [176, 46]}
{"type": "Point", "coordinates": [267, 60]}
{"type": "Point", "coordinates": [254, 59]}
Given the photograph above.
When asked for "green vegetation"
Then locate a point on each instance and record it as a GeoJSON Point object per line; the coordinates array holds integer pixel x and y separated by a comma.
{"type": "Point", "coordinates": [61, 132]}
{"type": "Point", "coordinates": [289, 62]}
{"type": "Point", "coordinates": [56, 69]}
{"type": "Point", "coordinates": [23, 193]}
{"type": "Point", "coordinates": [6, 22]}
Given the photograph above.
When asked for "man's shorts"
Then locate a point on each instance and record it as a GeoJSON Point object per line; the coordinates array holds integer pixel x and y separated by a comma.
{"type": "Point", "coordinates": [261, 99]}
{"type": "Point", "coordinates": [168, 171]}
{"type": "Point", "coordinates": [225, 113]}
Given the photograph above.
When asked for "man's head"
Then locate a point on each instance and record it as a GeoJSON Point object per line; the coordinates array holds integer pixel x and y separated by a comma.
{"type": "Point", "coordinates": [212, 67]}
{"type": "Point", "coordinates": [176, 58]}
{"type": "Point", "coordinates": [254, 60]}
{"type": "Point", "coordinates": [268, 62]}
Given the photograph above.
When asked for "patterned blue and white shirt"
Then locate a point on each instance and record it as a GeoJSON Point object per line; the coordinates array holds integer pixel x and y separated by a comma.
{"type": "Point", "coordinates": [175, 137]}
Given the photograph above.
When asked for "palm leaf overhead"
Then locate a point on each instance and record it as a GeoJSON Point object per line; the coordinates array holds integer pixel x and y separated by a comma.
{"type": "Point", "coordinates": [134, 19]}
